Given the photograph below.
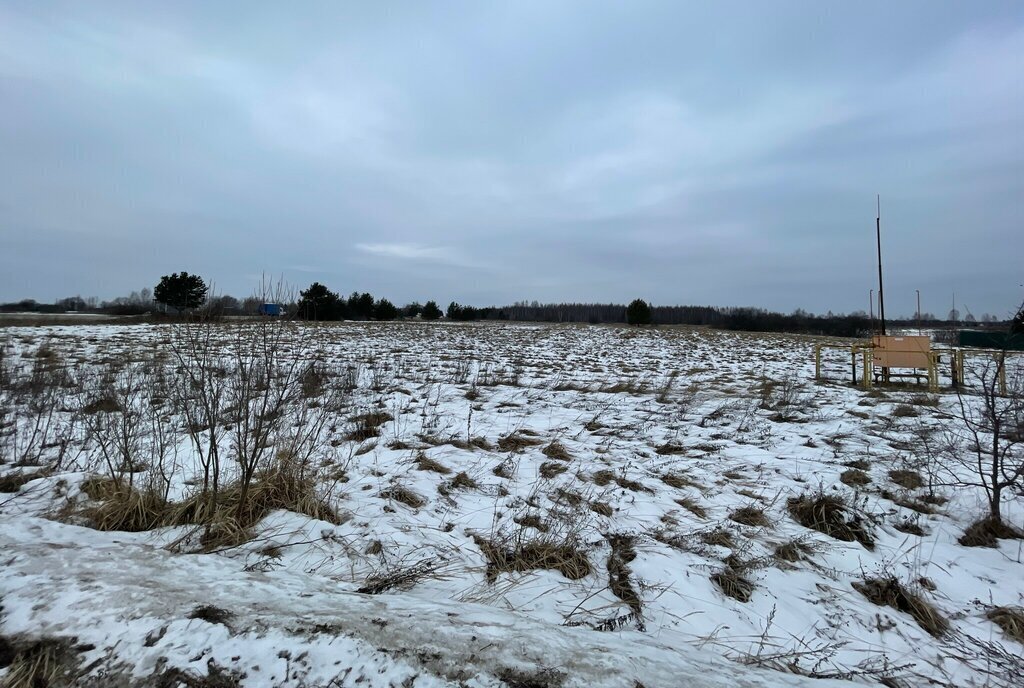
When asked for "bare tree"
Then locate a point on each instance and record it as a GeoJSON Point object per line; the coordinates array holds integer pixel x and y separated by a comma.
{"type": "Point", "coordinates": [991, 432]}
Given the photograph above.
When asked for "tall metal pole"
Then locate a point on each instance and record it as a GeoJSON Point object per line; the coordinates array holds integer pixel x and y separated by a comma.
{"type": "Point", "coordinates": [878, 234]}
{"type": "Point", "coordinates": [918, 310]}
{"type": "Point", "coordinates": [871, 308]}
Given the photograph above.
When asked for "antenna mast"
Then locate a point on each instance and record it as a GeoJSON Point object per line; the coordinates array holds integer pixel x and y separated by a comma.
{"type": "Point", "coordinates": [878, 234]}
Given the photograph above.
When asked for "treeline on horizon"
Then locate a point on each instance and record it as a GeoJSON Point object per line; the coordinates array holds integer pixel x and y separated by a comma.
{"type": "Point", "coordinates": [319, 303]}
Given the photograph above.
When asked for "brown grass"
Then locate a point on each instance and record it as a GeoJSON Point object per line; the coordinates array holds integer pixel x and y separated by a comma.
{"type": "Point", "coordinates": [556, 450]}
{"type": "Point", "coordinates": [693, 506]}
{"type": "Point", "coordinates": [889, 592]}
{"type": "Point", "coordinates": [623, 552]}
{"type": "Point", "coordinates": [750, 516]}
{"type": "Point", "coordinates": [679, 480]}
{"type": "Point", "coordinates": [670, 448]}
{"type": "Point", "coordinates": [1010, 619]}
{"type": "Point", "coordinates": [733, 584]}
{"type": "Point", "coordinates": [910, 480]}
{"type": "Point", "coordinates": [425, 463]}
{"type": "Point", "coordinates": [124, 508]}
{"type": "Point", "coordinates": [531, 521]}
{"type": "Point", "coordinates": [987, 533]}
{"type": "Point", "coordinates": [517, 441]}
{"type": "Point", "coordinates": [905, 411]}
{"type": "Point", "coordinates": [854, 478]}
{"type": "Point", "coordinates": [40, 663]}
{"type": "Point", "coordinates": [550, 469]}
{"type": "Point", "coordinates": [404, 495]}
{"type": "Point", "coordinates": [605, 476]}
{"type": "Point", "coordinates": [719, 537]}
{"type": "Point", "coordinates": [830, 515]}
{"type": "Point", "coordinates": [602, 508]}
{"type": "Point", "coordinates": [541, 553]}
{"type": "Point", "coordinates": [13, 482]}
{"type": "Point", "coordinates": [792, 551]}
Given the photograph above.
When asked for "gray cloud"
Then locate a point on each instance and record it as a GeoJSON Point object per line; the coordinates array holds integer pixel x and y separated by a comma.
{"type": "Point", "coordinates": [721, 153]}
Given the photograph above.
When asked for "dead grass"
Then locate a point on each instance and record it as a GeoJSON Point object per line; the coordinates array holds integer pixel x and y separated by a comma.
{"type": "Point", "coordinates": [859, 464]}
{"type": "Point", "coordinates": [517, 441]}
{"type": "Point", "coordinates": [693, 506]}
{"type": "Point", "coordinates": [1010, 620]}
{"type": "Point", "coordinates": [987, 533]}
{"type": "Point", "coordinates": [367, 425]}
{"type": "Point", "coordinates": [604, 477]}
{"type": "Point", "coordinates": [13, 482]}
{"type": "Point", "coordinates": [905, 411]}
{"type": "Point", "coordinates": [541, 553]}
{"type": "Point", "coordinates": [670, 448]}
{"type": "Point", "coordinates": [920, 506]}
{"type": "Point", "coordinates": [679, 480]}
{"type": "Point", "coordinates": [556, 450]}
{"type": "Point", "coordinates": [39, 663]}
{"type": "Point", "coordinates": [461, 481]}
{"type": "Point", "coordinates": [532, 521]}
{"type": "Point", "coordinates": [854, 478]}
{"type": "Point", "coordinates": [602, 508]}
{"type": "Point", "coordinates": [719, 537]}
{"type": "Point", "coordinates": [792, 551]}
{"type": "Point", "coordinates": [910, 480]}
{"type": "Point", "coordinates": [830, 515]}
{"type": "Point", "coordinates": [425, 463]}
{"type": "Point", "coordinates": [733, 584]}
{"type": "Point", "coordinates": [750, 515]}
{"type": "Point", "coordinates": [124, 508]}
{"type": "Point", "coordinates": [888, 591]}
{"type": "Point", "coordinates": [623, 552]}
{"type": "Point", "coordinates": [550, 469]}
{"type": "Point", "coordinates": [211, 614]}
{"type": "Point", "coordinates": [404, 495]}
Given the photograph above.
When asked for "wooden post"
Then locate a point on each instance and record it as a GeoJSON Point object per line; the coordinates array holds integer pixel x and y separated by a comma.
{"type": "Point", "coordinates": [817, 362]}
{"type": "Point", "coordinates": [868, 356]}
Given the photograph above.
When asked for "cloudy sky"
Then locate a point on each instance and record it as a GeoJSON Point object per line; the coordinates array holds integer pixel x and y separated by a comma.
{"type": "Point", "coordinates": [694, 153]}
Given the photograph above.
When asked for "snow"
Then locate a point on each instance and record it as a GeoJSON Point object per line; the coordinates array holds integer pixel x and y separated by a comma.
{"type": "Point", "coordinates": [613, 397]}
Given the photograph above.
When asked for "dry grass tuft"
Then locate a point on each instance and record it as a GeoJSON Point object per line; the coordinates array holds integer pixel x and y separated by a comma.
{"type": "Point", "coordinates": [792, 551]}
{"type": "Point", "coordinates": [854, 478]}
{"type": "Point", "coordinates": [517, 441]}
{"type": "Point", "coordinates": [602, 508]}
{"type": "Point", "coordinates": [404, 495]}
{"type": "Point", "coordinates": [693, 506]}
{"type": "Point", "coordinates": [544, 678]}
{"type": "Point", "coordinates": [124, 508]}
{"type": "Point", "coordinates": [889, 592]}
{"type": "Point", "coordinates": [750, 515]}
{"type": "Point", "coordinates": [425, 463]}
{"type": "Point", "coordinates": [531, 521]}
{"type": "Point", "coordinates": [987, 533]}
{"type": "Point", "coordinates": [830, 515]}
{"type": "Point", "coordinates": [541, 553]}
{"type": "Point", "coordinates": [623, 552]}
{"type": "Point", "coordinates": [670, 448]}
{"type": "Point", "coordinates": [910, 480]}
{"type": "Point", "coordinates": [733, 584]}
{"type": "Point", "coordinates": [211, 614]}
{"type": "Point", "coordinates": [719, 537]}
{"type": "Point", "coordinates": [1010, 619]}
{"type": "Point", "coordinates": [905, 411]}
{"type": "Point", "coordinates": [40, 663]}
{"type": "Point", "coordinates": [550, 469]}
{"type": "Point", "coordinates": [679, 480]}
{"type": "Point", "coordinates": [556, 450]}
{"type": "Point", "coordinates": [604, 477]}
{"type": "Point", "coordinates": [461, 481]}
{"type": "Point", "coordinates": [12, 482]}
{"type": "Point", "coordinates": [367, 425]}
{"type": "Point", "coordinates": [859, 464]}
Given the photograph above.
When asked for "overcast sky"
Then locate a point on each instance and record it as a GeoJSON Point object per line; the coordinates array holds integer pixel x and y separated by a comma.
{"type": "Point", "coordinates": [687, 153]}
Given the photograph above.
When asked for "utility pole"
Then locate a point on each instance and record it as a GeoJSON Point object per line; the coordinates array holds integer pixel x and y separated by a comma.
{"type": "Point", "coordinates": [871, 308]}
{"type": "Point", "coordinates": [878, 234]}
{"type": "Point", "coordinates": [918, 310]}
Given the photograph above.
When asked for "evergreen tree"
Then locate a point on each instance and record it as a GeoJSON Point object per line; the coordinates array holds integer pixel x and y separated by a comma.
{"type": "Point", "coordinates": [431, 311]}
{"type": "Point", "coordinates": [318, 303]}
{"type": "Point", "coordinates": [181, 291]}
{"type": "Point", "coordinates": [638, 312]}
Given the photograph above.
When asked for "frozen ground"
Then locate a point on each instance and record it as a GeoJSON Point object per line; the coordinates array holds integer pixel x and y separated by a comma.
{"type": "Point", "coordinates": [509, 505]}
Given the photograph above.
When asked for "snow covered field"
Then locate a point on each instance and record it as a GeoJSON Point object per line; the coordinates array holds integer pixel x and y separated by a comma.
{"type": "Point", "coordinates": [484, 505]}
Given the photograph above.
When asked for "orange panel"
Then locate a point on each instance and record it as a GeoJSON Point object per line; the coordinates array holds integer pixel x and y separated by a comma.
{"type": "Point", "coordinates": [901, 351]}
